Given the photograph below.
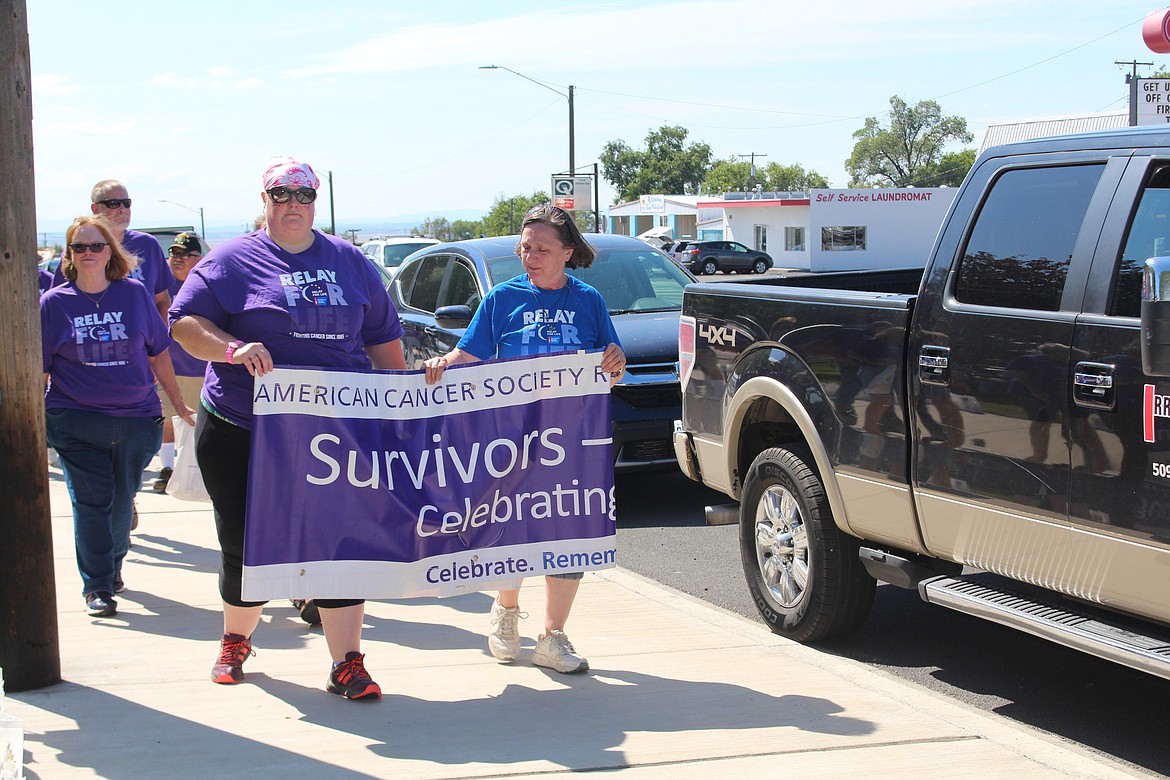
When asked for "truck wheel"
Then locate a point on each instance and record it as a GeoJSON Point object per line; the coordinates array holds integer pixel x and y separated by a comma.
{"type": "Point", "coordinates": [804, 574]}
{"type": "Point", "coordinates": [760, 267]}
{"type": "Point", "coordinates": [710, 267]}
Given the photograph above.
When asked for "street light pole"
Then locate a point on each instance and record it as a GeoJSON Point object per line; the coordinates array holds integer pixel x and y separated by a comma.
{"type": "Point", "coordinates": [572, 146]}
{"type": "Point", "coordinates": [199, 211]}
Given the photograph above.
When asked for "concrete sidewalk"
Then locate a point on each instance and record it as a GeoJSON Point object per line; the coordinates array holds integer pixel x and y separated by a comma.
{"type": "Point", "coordinates": [677, 689]}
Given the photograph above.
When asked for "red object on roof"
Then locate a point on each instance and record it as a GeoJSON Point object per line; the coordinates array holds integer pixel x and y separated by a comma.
{"type": "Point", "coordinates": [739, 204]}
{"type": "Point", "coordinates": [1156, 31]}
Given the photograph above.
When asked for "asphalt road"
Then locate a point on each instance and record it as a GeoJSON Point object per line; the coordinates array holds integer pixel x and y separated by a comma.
{"type": "Point", "coordinates": [1122, 713]}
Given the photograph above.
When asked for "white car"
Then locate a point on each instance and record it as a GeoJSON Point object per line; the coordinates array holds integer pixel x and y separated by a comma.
{"type": "Point", "coordinates": [390, 252]}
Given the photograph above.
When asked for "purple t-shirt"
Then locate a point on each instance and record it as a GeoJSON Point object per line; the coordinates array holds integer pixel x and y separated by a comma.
{"type": "Point", "coordinates": [316, 308]}
{"type": "Point", "coordinates": [44, 280]}
{"type": "Point", "coordinates": [95, 348]}
{"type": "Point", "coordinates": [152, 270]}
{"type": "Point", "coordinates": [185, 364]}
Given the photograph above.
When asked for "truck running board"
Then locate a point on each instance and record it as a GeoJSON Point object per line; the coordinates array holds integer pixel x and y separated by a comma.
{"type": "Point", "coordinates": [1057, 624]}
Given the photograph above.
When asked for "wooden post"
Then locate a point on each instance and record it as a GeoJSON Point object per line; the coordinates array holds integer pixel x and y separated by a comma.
{"type": "Point", "coordinates": [29, 650]}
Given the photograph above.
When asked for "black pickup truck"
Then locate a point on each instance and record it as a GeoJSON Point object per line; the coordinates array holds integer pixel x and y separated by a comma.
{"type": "Point", "coordinates": [992, 431]}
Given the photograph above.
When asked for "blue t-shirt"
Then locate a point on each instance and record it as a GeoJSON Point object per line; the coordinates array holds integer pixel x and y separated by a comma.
{"type": "Point", "coordinates": [517, 319]}
{"type": "Point", "coordinates": [152, 270]}
{"type": "Point", "coordinates": [319, 307]}
{"type": "Point", "coordinates": [95, 349]}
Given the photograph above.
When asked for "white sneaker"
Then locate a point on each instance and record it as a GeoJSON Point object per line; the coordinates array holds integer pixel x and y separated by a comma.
{"type": "Point", "coordinates": [555, 651]}
{"type": "Point", "coordinates": [504, 639]}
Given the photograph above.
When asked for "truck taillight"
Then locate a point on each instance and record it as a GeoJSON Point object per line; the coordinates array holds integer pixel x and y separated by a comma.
{"type": "Point", "coordinates": [686, 349]}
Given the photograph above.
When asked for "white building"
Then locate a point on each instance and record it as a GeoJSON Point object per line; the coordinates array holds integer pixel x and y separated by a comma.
{"type": "Point", "coordinates": [672, 216]}
{"type": "Point", "coordinates": [837, 230]}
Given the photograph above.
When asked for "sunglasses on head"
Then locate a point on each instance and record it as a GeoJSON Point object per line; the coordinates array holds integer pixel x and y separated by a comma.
{"type": "Point", "coordinates": [115, 203]}
{"type": "Point", "coordinates": [95, 247]}
{"type": "Point", "coordinates": [305, 195]}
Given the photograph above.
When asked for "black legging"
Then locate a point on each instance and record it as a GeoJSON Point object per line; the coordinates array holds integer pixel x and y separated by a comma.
{"type": "Point", "coordinates": [221, 449]}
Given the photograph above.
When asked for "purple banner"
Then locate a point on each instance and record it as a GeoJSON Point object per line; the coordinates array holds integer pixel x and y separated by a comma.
{"type": "Point", "coordinates": [377, 485]}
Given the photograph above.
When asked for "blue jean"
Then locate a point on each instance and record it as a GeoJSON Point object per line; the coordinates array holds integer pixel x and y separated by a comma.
{"type": "Point", "coordinates": [102, 457]}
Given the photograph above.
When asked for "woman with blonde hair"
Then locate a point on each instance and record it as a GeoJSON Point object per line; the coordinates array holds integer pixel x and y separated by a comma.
{"type": "Point", "coordinates": [103, 344]}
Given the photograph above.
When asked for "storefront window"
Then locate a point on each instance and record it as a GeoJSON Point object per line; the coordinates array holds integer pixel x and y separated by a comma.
{"type": "Point", "coordinates": [843, 239]}
{"type": "Point", "coordinates": [794, 239]}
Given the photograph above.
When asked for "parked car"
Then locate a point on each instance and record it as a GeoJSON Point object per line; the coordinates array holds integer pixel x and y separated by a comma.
{"type": "Point", "coordinates": [439, 288]}
{"type": "Point", "coordinates": [707, 257]}
{"type": "Point", "coordinates": [675, 248]}
{"type": "Point", "coordinates": [390, 252]}
{"type": "Point", "coordinates": [166, 236]}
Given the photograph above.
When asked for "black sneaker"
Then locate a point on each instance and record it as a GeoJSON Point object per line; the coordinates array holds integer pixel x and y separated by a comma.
{"type": "Point", "coordinates": [351, 680]}
{"type": "Point", "coordinates": [309, 612]}
{"type": "Point", "coordinates": [164, 477]}
{"type": "Point", "coordinates": [119, 586]}
{"type": "Point", "coordinates": [101, 604]}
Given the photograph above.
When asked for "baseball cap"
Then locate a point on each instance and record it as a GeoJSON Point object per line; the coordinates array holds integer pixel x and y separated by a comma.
{"type": "Point", "coordinates": [188, 242]}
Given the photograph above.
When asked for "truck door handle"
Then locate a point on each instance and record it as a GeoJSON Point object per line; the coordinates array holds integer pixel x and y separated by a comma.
{"type": "Point", "coordinates": [934, 365]}
{"type": "Point", "coordinates": [1093, 385]}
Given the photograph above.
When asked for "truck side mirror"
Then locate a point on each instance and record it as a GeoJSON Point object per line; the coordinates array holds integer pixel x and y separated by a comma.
{"type": "Point", "coordinates": [1156, 317]}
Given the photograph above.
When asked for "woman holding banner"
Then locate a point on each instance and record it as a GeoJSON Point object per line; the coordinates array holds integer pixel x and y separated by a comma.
{"type": "Point", "coordinates": [519, 318]}
{"type": "Point", "coordinates": [251, 303]}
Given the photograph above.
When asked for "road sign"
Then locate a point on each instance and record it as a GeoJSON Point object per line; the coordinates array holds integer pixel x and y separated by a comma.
{"type": "Point", "coordinates": [572, 193]}
{"type": "Point", "coordinates": [1152, 101]}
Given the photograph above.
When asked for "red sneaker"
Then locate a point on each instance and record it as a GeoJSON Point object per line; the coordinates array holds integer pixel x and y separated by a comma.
{"type": "Point", "coordinates": [233, 651]}
{"type": "Point", "coordinates": [351, 680]}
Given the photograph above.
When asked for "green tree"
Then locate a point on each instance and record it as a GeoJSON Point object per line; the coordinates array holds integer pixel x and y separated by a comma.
{"type": "Point", "coordinates": [949, 171]}
{"type": "Point", "coordinates": [463, 229]}
{"type": "Point", "coordinates": [911, 147]}
{"type": "Point", "coordinates": [790, 178]}
{"type": "Point", "coordinates": [733, 175]}
{"type": "Point", "coordinates": [434, 227]}
{"type": "Point", "coordinates": [667, 165]}
{"type": "Point", "coordinates": [730, 175]}
{"type": "Point", "coordinates": [506, 213]}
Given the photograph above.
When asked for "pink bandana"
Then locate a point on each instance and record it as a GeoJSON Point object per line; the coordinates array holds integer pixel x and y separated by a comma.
{"type": "Point", "coordinates": [287, 172]}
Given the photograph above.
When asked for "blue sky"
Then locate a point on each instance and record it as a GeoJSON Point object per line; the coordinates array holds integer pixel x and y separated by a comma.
{"type": "Point", "coordinates": [186, 101]}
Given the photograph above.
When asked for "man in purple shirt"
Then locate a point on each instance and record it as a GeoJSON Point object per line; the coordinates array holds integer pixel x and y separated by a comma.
{"type": "Point", "coordinates": [109, 199]}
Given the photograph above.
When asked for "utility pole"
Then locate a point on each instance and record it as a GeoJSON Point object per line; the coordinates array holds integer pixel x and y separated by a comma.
{"type": "Point", "coordinates": [1131, 79]}
{"type": "Point", "coordinates": [753, 156]}
{"type": "Point", "coordinates": [332, 216]}
{"type": "Point", "coordinates": [29, 648]}
{"type": "Point", "coordinates": [572, 144]}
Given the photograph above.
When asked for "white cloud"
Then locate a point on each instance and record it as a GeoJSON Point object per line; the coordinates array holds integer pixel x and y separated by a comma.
{"type": "Point", "coordinates": [750, 32]}
{"type": "Point", "coordinates": [52, 84]}
{"type": "Point", "coordinates": [219, 70]}
{"type": "Point", "coordinates": [250, 83]}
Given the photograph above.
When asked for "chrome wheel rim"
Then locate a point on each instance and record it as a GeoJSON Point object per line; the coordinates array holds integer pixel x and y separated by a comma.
{"type": "Point", "coordinates": [782, 546]}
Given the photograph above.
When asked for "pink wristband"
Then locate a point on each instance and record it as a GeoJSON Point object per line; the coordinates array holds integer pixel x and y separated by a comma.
{"type": "Point", "coordinates": [231, 350]}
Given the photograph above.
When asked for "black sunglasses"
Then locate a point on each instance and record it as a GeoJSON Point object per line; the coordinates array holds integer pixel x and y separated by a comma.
{"type": "Point", "coordinates": [115, 203]}
{"type": "Point", "coordinates": [95, 247]}
{"type": "Point", "coordinates": [305, 195]}
{"type": "Point", "coordinates": [182, 254]}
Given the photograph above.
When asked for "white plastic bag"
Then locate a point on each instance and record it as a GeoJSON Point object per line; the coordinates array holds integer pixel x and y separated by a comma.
{"type": "Point", "coordinates": [186, 482]}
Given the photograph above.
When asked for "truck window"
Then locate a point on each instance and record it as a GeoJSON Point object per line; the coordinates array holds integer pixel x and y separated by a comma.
{"type": "Point", "coordinates": [1019, 251]}
{"type": "Point", "coordinates": [1149, 236]}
